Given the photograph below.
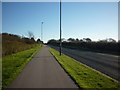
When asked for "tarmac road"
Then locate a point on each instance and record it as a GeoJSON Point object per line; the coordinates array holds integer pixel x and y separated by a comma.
{"type": "Point", "coordinates": [43, 71]}
{"type": "Point", "coordinates": [105, 63]}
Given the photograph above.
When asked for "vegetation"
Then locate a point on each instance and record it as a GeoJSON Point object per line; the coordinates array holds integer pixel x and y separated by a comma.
{"type": "Point", "coordinates": [0, 73]}
{"type": "Point", "coordinates": [84, 76]}
{"type": "Point", "coordinates": [107, 45]}
{"type": "Point", "coordinates": [14, 63]}
{"type": "Point", "coordinates": [17, 51]}
{"type": "Point", "coordinates": [13, 43]}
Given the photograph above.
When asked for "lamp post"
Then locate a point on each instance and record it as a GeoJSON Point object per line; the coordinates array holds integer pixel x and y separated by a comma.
{"type": "Point", "coordinates": [60, 32]}
{"type": "Point", "coordinates": [41, 31]}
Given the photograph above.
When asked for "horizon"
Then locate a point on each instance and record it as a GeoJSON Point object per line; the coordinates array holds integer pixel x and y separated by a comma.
{"type": "Point", "coordinates": [94, 20]}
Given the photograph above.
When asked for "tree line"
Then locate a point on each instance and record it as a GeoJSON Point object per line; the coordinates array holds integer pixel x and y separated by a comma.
{"type": "Point", "coordinates": [107, 45]}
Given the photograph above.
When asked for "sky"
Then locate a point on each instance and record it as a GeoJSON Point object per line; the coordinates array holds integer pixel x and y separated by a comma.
{"type": "Point", "coordinates": [95, 20]}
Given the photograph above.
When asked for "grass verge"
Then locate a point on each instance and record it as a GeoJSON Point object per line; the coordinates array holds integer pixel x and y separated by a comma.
{"type": "Point", "coordinates": [0, 73]}
{"type": "Point", "coordinates": [83, 75]}
{"type": "Point", "coordinates": [13, 64]}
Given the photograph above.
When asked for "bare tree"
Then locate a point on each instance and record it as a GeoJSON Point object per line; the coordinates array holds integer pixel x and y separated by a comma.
{"type": "Point", "coordinates": [30, 34]}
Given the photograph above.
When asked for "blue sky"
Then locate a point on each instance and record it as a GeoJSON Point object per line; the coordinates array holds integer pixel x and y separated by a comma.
{"type": "Point", "coordinates": [95, 20]}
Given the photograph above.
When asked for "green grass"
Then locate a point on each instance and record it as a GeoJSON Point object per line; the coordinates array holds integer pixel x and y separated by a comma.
{"type": "Point", "coordinates": [83, 75]}
{"type": "Point", "coordinates": [13, 64]}
{"type": "Point", "coordinates": [0, 73]}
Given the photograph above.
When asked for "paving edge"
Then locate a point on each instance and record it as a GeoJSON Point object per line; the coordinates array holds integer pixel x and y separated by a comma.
{"type": "Point", "coordinates": [74, 81]}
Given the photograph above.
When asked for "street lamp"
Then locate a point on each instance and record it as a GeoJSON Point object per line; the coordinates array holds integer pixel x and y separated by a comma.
{"type": "Point", "coordinates": [60, 32]}
{"type": "Point", "coordinates": [42, 31]}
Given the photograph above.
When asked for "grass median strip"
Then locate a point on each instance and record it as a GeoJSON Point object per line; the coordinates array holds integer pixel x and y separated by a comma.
{"type": "Point", "coordinates": [84, 76]}
{"type": "Point", "coordinates": [13, 64]}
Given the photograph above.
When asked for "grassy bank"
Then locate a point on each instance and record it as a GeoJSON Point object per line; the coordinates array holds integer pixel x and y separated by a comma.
{"type": "Point", "coordinates": [84, 76]}
{"type": "Point", "coordinates": [13, 64]}
{"type": "Point", "coordinates": [13, 43]}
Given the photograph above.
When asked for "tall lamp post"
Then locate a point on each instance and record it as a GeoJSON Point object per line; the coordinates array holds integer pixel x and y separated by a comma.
{"type": "Point", "coordinates": [60, 32]}
{"type": "Point", "coordinates": [42, 31]}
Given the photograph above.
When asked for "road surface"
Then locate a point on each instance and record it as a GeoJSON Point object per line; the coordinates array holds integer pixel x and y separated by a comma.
{"type": "Point", "coordinates": [43, 71]}
{"type": "Point", "coordinates": [105, 63]}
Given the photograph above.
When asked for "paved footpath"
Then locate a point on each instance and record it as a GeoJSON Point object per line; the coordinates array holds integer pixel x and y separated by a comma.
{"type": "Point", "coordinates": [43, 71]}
